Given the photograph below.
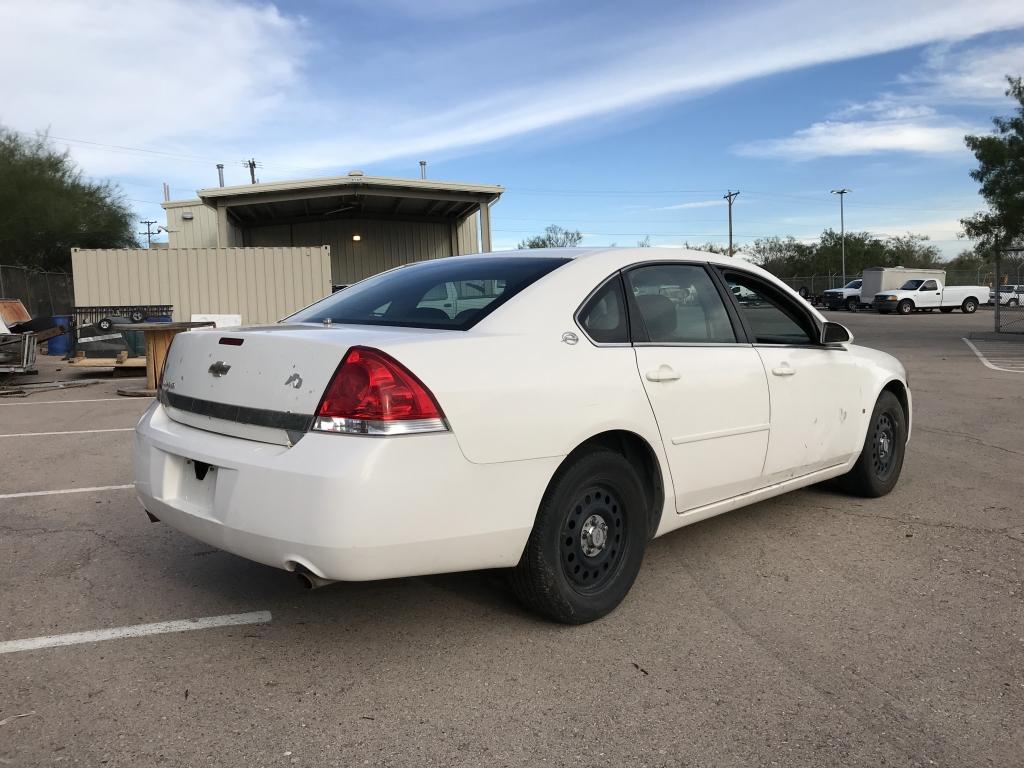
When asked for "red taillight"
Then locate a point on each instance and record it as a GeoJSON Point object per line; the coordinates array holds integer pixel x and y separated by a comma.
{"type": "Point", "coordinates": [373, 394]}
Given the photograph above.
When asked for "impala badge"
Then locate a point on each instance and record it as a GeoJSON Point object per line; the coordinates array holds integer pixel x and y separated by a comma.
{"type": "Point", "coordinates": [218, 369]}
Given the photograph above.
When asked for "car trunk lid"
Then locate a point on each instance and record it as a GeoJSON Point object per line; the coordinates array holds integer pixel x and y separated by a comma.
{"type": "Point", "coordinates": [264, 382]}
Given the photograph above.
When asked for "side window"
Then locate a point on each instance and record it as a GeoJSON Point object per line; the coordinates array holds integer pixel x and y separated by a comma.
{"type": "Point", "coordinates": [603, 317]}
{"type": "Point", "coordinates": [679, 304]}
{"type": "Point", "coordinates": [438, 293]}
{"type": "Point", "coordinates": [772, 317]}
{"type": "Point", "coordinates": [930, 285]}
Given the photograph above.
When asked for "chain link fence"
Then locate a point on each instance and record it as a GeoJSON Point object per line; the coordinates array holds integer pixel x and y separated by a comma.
{"type": "Point", "coordinates": [1010, 308]}
{"type": "Point", "coordinates": [44, 294]}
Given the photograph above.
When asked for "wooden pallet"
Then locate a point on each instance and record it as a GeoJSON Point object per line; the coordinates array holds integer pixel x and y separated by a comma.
{"type": "Point", "coordinates": [107, 362]}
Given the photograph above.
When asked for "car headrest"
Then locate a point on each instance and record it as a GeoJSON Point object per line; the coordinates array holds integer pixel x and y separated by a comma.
{"type": "Point", "coordinates": [659, 314]}
{"type": "Point", "coordinates": [430, 315]}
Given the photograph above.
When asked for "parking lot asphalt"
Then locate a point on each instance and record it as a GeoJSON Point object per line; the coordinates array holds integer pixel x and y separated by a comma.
{"type": "Point", "coordinates": [813, 629]}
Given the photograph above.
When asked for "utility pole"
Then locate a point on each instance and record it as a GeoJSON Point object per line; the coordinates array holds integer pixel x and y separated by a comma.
{"type": "Point", "coordinates": [252, 165]}
{"type": "Point", "coordinates": [730, 196]}
{"type": "Point", "coordinates": [842, 226]}
{"type": "Point", "coordinates": [149, 232]}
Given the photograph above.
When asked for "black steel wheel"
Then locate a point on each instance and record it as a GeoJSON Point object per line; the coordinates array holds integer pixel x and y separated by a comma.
{"type": "Point", "coordinates": [137, 316]}
{"type": "Point", "coordinates": [105, 324]}
{"type": "Point", "coordinates": [592, 539]}
{"type": "Point", "coordinates": [588, 540]}
{"type": "Point", "coordinates": [880, 462]}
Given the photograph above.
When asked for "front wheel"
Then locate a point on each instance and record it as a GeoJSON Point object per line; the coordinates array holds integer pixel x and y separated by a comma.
{"type": "Point", "coordinates": [881, 460]}
{"type": "Point", "coordinates": [587, 542]}
{"type": "Point", "coordinates": [852, 304]}
{"type": "Point", "coordinates": [905, 307]}
{"type": "Point", "coordinates": [1012, 303]}
{"type": "Point", "coordinates": [969, 307]}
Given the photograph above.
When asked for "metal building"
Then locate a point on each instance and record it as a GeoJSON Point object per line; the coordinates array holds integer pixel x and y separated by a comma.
{"type": "Point", "coordinates": [371, 223]}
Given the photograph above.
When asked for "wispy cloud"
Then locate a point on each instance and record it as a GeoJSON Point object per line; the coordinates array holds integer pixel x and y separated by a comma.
{"type": "Point", "coordinates": [845, 139]}
{"type": "Point", "coordinates": [907, 119]}
{"type": "Point", "coordinates": [687, 206]}
{"type": "Point", "coordinates": [227, 79]}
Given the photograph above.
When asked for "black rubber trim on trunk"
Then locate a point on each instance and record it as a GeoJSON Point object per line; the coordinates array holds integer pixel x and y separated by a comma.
{"type": "Point", "coordinates": [260, 417]}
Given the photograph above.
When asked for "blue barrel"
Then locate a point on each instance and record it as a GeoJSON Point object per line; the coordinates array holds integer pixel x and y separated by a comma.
{"type": "Point", "coordinates": [59, 345]}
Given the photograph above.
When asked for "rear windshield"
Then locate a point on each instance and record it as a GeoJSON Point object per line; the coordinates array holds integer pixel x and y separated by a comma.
{"type": "Point", "coordinates": [911, 285]}
{"type": "Point", "coordinates": [452, 293]}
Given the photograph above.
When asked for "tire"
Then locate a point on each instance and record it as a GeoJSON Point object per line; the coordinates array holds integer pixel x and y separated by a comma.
{"type": "Point", "coordinates": [105, 324]}
{"type": "Point", "coordinates": [945, 310]}
{"type": "Point", "coordinates": [804, 293]}
{"type": "Point", "coordinates": [566, 573]}
{"type": "Point", "coordinates": [970, 306]}
{"type": "Point", "coordinates": [852, 304]}
{"type": "Point", "coordinates": [881, 460]}
{"type": "Point", "coordinates": [1012, 303]}
{"type": "Point", "coordinates": [905, 307]}
{"type": "Point", "coordinates": [137, 316]}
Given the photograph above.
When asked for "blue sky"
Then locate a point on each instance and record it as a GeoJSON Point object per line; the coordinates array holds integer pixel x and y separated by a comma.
{"type": "Point", "coordinates": [623, 120]}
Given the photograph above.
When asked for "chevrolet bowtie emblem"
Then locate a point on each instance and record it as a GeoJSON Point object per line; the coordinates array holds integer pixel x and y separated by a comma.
{"type": "Point", "coordinates": [220, 368]}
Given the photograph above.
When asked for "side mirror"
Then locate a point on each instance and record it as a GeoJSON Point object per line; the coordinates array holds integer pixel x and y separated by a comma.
{"type": "Point", "coordinates": [834, 333]}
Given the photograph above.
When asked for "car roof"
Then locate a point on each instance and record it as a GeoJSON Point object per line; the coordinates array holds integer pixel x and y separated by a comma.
{"type": "Point", "coordinates": [640, 254]}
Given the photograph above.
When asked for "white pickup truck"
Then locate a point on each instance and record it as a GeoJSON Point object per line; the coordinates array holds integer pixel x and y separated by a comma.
{"type": "Point", "coordinates": [928, 295]}
{"type": "Point", "coordinates": [847, 297]}
{"type": "Point", "coordinates": [1009, 295]}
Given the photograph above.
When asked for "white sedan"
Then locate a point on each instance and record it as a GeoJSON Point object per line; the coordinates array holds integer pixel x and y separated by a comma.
{"type": "Point", "coordinates": [569, 406]}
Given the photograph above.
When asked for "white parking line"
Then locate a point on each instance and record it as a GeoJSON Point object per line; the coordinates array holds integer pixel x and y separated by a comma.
{"type": "Point", "coordinates": [26, 494]}
{"type": "Point", "coordinates": [70, 432]}
{"type": "Point", "coordinates": [137, 630]}
{"type": "Point", "coordinates": [95, 400]}
{"type": "Point", "coordinates": [1017, 362]}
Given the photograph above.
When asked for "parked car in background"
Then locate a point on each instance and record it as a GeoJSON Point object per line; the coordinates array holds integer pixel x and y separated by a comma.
{"type": "Point", "coordinates": [915, 295]}
{"type": "Point", "coordinates": [1009, 295]}
{"type": "Point", "coordinates": [581, 403]}
{"type": "Point", "coordinates": [847, 297]}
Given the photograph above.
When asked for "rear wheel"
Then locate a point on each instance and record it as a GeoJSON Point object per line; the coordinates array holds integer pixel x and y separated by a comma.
{"type": "Point", "coordinates": [587, 542]}
{"type": "Point", "coordinates": [1012, 303]}
{"type": "Point", "coordinates": [969, 307]}
{"type": "Point", "coordinates": [905, 307]}
{"type": "Point", "coordinates": [881, 460]}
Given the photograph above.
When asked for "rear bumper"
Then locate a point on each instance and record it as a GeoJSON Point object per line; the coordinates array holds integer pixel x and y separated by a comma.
{"type": "Point", "coordinates": [343, 506]}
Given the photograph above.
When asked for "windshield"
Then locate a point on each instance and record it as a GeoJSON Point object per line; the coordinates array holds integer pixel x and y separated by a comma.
{"type": "Point", "coordinates": [853, 284]}
{"type": "Point", "coordinates": [450, 293]}
{"type": "Point", "coordinates": [911, 285]}
{"type": "Point", "coordinates": [1006, 288]}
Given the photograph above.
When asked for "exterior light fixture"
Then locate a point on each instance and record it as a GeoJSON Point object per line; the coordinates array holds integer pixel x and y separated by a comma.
{"type": "Point", "coordinates": [187, 216]}
{"type": "Point", "coordinates": [357, 238]}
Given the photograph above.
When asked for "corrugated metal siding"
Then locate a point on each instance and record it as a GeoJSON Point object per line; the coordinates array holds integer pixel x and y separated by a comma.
{"type": "Point", "coordinates": [469, 235]}
{"type": "Point", "coordinates": [260, 284]}
{"type": "Point", "coordinates": [384, 244]}
{"type": "Point", "coordinates": [200, 232]}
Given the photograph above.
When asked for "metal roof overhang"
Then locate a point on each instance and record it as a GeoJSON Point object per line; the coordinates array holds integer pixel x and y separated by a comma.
{"type": "Point", "coordinates": [350, 197]}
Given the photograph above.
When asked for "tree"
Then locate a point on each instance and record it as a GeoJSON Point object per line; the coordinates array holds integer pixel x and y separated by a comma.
{"type": "Point", "coordinates": [554, 237]}
{"type": "Point", "coordinates": [1000, 173]}
{"type": "Point", "coordinates": [47, 207]}
{"type": "Point", "coordinates": [708, 247]}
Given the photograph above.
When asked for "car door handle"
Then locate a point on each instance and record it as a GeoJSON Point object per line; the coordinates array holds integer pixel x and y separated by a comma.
{"type": "Point", "coordinates": [663, 373]}
{"type": "Point", "coordinates": [783, 370]}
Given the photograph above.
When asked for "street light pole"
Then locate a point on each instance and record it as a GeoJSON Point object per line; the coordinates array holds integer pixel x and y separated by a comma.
{"type": "Point", "coordinates": [842, 226]}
